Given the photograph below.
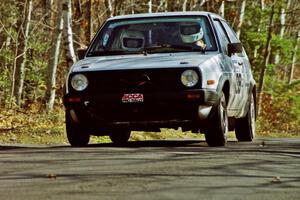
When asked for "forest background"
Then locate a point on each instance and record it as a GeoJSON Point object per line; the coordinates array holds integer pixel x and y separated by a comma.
{"type": "Point", "coordinates": [39, 38]}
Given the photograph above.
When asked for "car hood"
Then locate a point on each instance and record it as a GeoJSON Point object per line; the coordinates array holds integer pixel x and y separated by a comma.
{"type": "Point", "coordinates": [128, 62]}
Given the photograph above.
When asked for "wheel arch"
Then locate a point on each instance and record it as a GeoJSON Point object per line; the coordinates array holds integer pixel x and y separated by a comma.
{"type": "Point", "coordinates": [226, 89]}
{"type": "Point", "coordinates": [224, 86]}
{"type": "Point", "coordinates": [253, 91]}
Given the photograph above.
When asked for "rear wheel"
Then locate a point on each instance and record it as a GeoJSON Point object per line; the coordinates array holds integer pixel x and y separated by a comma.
{"type": "Point", "coordinates": [245, 127]}
{"type": "Point", "coordinates": [76, 133]}
{"type": "Point", "coordinates": [120, 136]}
{"type": "Point", "coordinates": [216, 134]}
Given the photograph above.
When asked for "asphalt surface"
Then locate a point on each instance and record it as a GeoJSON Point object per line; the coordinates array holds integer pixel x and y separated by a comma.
{"type": "Point", "coordinates": [264, 169]}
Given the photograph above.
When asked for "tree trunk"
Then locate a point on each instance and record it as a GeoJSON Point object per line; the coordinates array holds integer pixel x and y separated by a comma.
{"type": "Point", "coordinates": [266, 61]}
{"type": "Point", "coordinates": [149, 6]}
{"type": "Point", "coordinates": [48, 5]}
{"type": "Point", "coordinates": [132, 6]}
{"type": "Point", "coordinates": [241, 18]}
{"type": "Point", "coordinates": [108, 4]}
{"type": "Point", "coordinates": [86, 23]}
{"type": "Point", "coordinates": [222, 9]}
{"type": "Point", "coordinates": [282, 28]}
{"type": "Point", "coordinates": [77, 25]}
{"type": "Point", "coordinates": [262, 7]}
{"type": "Point", "coordinates": [294, 58]}
{"type": "Point", "coordinates": [184, 5]}
{"type": "Point", "coordinates": [67, 33]}
{"type": "Point", "coordinates": [53, 60]}
{"type": "Point", "coordinates": [21, 49]}
{"type": "Point", "coordinates": [166, 6]}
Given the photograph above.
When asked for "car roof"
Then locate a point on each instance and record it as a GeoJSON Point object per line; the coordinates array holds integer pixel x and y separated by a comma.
{"type": "Point", "coordinates": [165, 14]}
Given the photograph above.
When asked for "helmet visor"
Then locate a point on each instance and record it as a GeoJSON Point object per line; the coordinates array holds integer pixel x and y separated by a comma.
{"type": "Point", "coordinates": [190, 29]}
{"type": "Point", "coordinates": [133, 42]}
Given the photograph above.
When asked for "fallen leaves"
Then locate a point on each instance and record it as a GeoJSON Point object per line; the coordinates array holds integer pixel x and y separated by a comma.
{"type": "Point", "coordinates": [52, 176]}
{"type": "Point", "coordinates": [276, 179]}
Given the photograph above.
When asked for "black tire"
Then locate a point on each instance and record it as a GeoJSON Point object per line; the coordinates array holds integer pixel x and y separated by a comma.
{"type": "Point", "coordinates": [245, 127]}
{"type": "Point", "coordinates": [76, 134]}
{"type": "Point", "coordinates": [216, 133]}
{"type": "Point", "coordinates": [120, 137]}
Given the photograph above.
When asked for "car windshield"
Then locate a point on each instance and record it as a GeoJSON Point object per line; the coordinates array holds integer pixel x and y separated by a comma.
{"type": "Point", "coordinates": [154, 35]}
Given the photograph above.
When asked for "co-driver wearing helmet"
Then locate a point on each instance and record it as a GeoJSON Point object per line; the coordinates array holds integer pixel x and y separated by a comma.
{"type": "Point", "coordinates": [192, 33]}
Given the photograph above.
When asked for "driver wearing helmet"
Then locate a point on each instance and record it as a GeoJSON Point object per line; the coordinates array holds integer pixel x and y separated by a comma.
{"type": "Point", "coordinates": [132, 40]}
{"type": "Point", "coordinates": [192, 33]}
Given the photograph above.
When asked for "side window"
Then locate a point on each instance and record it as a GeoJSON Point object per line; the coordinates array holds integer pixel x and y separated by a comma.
{"type": "Point", "coordinates": [231, 34]}
{"type": "Point", "coordinates": [224, 40]}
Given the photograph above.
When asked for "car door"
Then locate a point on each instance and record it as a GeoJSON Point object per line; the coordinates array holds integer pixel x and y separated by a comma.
{"type": "Point", "coordinates": [240, 65]}
{"type": "Point", "coordinates": [234, 71]}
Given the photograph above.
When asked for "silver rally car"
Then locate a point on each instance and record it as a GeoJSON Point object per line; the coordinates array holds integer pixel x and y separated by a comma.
{"type": "Point", "coordinates": [145, 72]}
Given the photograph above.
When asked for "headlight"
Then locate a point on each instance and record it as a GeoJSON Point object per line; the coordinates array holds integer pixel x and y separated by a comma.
{"type": "Point", "coordinates": [79, 82]}
{"type": "Point", "coordinates": [189, 78]}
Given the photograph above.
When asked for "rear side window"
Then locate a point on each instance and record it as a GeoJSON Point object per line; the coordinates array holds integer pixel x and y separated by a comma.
{"type": "Point", "coordinates": [224, 40]}
{"type": "Point", "coordinates": [232, 37]}
{"type": "Point", "coordinates": [231, 34]}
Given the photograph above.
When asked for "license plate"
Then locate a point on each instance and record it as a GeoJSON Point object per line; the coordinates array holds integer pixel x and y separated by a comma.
{"type": "Point", "coordinates": [133, 98]}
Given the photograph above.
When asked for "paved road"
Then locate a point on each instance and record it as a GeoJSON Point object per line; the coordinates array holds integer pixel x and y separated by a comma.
{"type": "Point", "coordinates": [265, 169]}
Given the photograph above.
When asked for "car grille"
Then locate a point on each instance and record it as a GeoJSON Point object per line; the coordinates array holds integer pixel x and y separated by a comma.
{"type": "Point", "coordinates": [123, 81]}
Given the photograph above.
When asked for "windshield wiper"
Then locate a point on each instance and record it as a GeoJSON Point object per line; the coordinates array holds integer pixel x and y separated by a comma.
{"type": "Point", "coordinates": [114, 52]}
{"type": "Point", "coordinates": [169, 46]}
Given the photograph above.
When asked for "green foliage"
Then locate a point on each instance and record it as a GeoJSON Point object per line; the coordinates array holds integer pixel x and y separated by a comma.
{"type": "Point", "coordinates": [36, 68]}
{"type": "Point", "coordinates": [32, 126]}
{"type": "Point", "coordinates": [281, 103]}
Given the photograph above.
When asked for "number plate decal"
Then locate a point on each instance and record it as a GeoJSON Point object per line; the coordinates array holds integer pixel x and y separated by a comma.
{"type": "Point", "coordinates": [133, 98]}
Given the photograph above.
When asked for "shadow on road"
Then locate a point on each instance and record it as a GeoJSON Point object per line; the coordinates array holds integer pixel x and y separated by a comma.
{"type": "Point", "coordinates": [153, 143]}
{"type": "Point", "coordinates": [130, 144]}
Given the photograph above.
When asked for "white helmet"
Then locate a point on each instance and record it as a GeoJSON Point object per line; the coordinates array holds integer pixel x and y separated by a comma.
{"type": "Point", "coordinates": [132, 40]}
{"type": "Point", "coordinates": [191, 32]}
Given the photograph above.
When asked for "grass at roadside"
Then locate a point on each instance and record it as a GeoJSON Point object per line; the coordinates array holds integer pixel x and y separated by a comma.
{"type": "Point", "coordinates": [34, 127]}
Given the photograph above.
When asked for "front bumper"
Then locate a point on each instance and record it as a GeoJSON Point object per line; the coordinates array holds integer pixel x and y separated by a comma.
{"type": "Point", "coordinates": [168, 109]}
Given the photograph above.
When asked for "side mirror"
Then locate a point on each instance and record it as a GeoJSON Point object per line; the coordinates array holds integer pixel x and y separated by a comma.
{"type": "Point", "coordinates": [81, 53]}
{"type": "Point", "coordinates": [235, 48]}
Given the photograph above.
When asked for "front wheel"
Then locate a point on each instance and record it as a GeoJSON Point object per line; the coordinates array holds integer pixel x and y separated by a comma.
{"type": "Point", "coordinates": [245, 126]}
{"type": "Point", "coordinates": [216, 133]}
{"type": "Point", "coordinates": [75, 132]}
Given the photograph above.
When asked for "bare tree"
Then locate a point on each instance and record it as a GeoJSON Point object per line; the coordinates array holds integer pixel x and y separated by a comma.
{"type": "Point", "coordinates": [68, 33]}
{"type": "Point", "coordinates": [282, 27]}
{"type": "Point", "coordinates": [149, 6]}
{"type": "Point", "coordinates": [222, 8]}
{"type": "Point", "coordinates": [21, 50]}
{"type": "Point", "coordinates": [241, 18]}
{"type": "Point", "coordinates": [163, 5]}
{"type": "Point", "coordinates": [109, 6]}
{"type": "Point", "coordinates": [53, 60]}
{"type": "Point", "coordinates": [184, 5]}
{"type": "Point", "coordinates": [86, 22]}
{"type": "Point", "coordinates": [294, 57]}
{"type": "Point", "coordinates": [132, 6]}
